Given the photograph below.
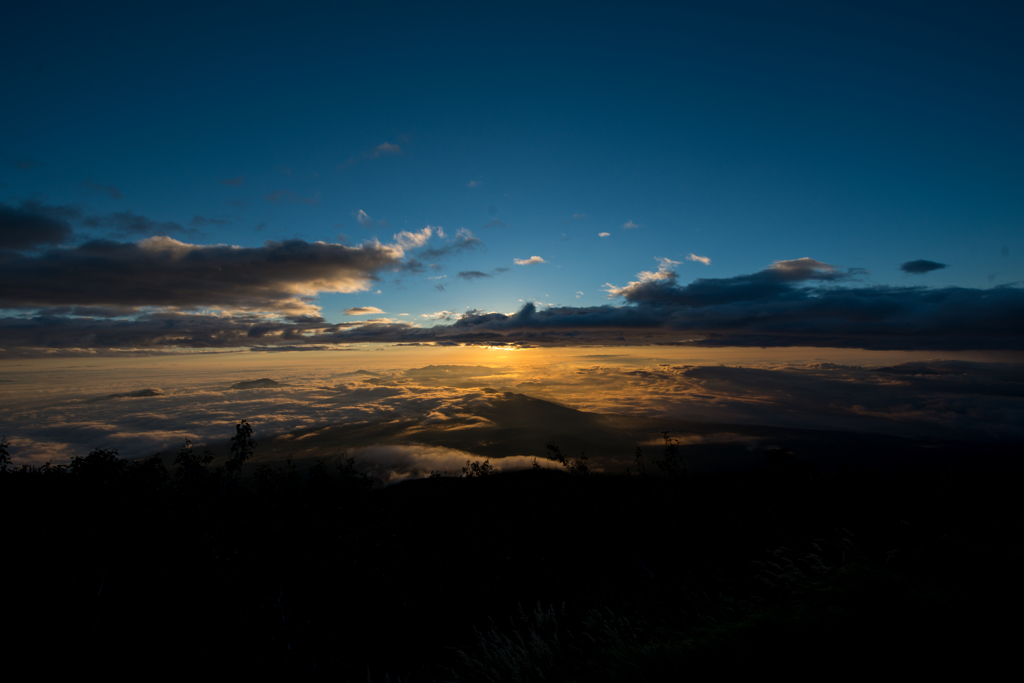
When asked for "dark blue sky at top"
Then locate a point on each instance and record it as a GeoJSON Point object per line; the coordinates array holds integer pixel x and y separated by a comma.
{"type": "Point", "coordinates": [864, 135]}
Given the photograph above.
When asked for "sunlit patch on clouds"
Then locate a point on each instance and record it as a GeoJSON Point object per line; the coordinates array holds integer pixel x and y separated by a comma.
{"type": "Point", "coordinates": [702, 259]}
{"type": "Point", "coordinates": [529, 261]}
{"type": "Point", "coordinates": [321, 409]}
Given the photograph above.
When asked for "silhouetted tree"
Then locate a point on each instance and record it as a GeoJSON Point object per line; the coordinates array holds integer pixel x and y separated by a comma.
{"type": "Point", "coordinates": [192, 467]}
{"type": "Point", "coordinates": [671, 462]}
{"type": "Point", "coordinates": [5, 457]}
{"type": "Point", "coordinates": [242, 447]}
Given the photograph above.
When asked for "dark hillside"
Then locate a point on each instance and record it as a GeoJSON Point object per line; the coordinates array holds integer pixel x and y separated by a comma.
{"type": "Point", "coordinates": [117, 566]}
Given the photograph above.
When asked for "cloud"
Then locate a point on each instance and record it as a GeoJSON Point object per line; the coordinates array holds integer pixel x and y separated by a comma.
{"type": "Point", "coordinates": [163, 272]}
{"type": "Point", "coordinates": [25, 164]}
{"type": "Point", "coordinates": [203, 221]}
{"type": "Point", "coordinates": [413, 240]}
{"type": "Point", "coordinates": [630, 225]}
{"type": "Point", "coordinates": [363, 219]}
{"type": "Point", "coordinates": [604, 234]}
{"type": "Point", "coordinates": [237, 181]}
{"type": "Point", "coordinates": [109, 190]}
{"type": "Point", "coordinates": [579, 295]}
{"type": "Point", "coordinates": [579, 216]}
{"type": "Point", "coordinates": [162, 286]}
{"type": "Point", "coordinates": [921, 266]}
{"type": "Point", "coordinates": [362, 310]}
{"type": "Point", "coordinates": [474, 183]}
{"type": "Point", "coordinates": [495, 223]}
{"type": "Point", "coordinates": [472, 274]}
{"type": "Point", "coordinates": [35, 224]}
{"type": "Point", "coordinates": [702, 259]}
{"type": "Point", "coordinates": [289, 197]}
{"type": "Point", "coordinates": [129, 224]}
{"type": "Point", "coordinates": [528, 261]}
{"type": "Point", "coordinates": [464, 240]}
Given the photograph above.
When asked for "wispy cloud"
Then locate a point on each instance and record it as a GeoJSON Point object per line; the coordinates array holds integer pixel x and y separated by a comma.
{"type": "Point", "coordinates": [529, 261]}
{"type": "Point", "coordinates": [413, 240]}
{"type": "Point", "coordinates": [495, 223]}
{"type": "Point", "coordinates": [702, 259]}
{"type": "Point", "coordinates": [104, 189]}
{"type": "Point", "coordinates": [291, 197]}
{"type": "Point", "coordinates": [237, 181]}
{"type": "Point", "coordinates": [362, 310]}
{"type": "Point", "coordinates": [921, 266]}
{"type": "Point", "coordinates": [387, 148]}
{"type": "Point", "coordinates": [474, 183]}
{"type": "Point", "coordinates": [472, 274]}
{"type": "Point", "coordinates": [604, 234]}
{"type": "Point", "coordinates": [630, 225]}
{"type": "Point", "coordinates": [363, 218]}
{"type": "Point", "coordinates": [203, 221]}
{"type": "Point", "coordinates": [579, 216]}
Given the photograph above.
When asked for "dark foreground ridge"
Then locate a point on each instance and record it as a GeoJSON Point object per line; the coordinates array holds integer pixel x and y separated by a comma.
{"type": "Point", "coordinates": [128, 569]}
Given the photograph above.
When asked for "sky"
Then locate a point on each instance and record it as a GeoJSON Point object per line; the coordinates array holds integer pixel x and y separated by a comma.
{"type": "Point", "coordinates": [180, 179]}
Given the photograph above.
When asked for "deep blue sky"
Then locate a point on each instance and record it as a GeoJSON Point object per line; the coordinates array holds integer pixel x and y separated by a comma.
{"type": "Point", "coordinates": [863, 135]}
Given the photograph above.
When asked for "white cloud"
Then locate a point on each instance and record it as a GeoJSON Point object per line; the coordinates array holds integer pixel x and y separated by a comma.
{"type": "Point", "coordinates": [412, 240]}
{"type": "Point", "coordinates": [362, 310]}
{"type": "Point", "coordinates": [441, 315]}
{"type": "Point", "coordinates": [579, 294]}
{"type": "Point", "coordinates": [664, 272]}
{"type": "Point", "coordinates": [386, 148]}
{"type": "Point", "coordinates": [604, 234]}
{"type": "Point", "coordinates": [703, 259]}
{"type": "Point", "coordinates": [363, 219]}
{"type": "Point", "coordinates": [529, 261]}
{"type": "Point", "coordinates": [630, 225]}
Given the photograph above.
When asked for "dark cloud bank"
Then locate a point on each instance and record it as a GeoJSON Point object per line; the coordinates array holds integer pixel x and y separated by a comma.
{"type": "Point", "coordinates": [156, 295]}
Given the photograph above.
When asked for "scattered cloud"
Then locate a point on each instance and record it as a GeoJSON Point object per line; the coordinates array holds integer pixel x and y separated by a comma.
{"type": "Point", "coordinates": [630, 225]}
{"type": "Point", "coordinates": [702, 259]}
{"type": "Point", "coordinates": [237, 203]}
{"type": "Point", "coordinates": [474, 183]}
{"type": "Point", "coordinates": [280, 277]}
{"type": "Point", "coordinates": [464, 240]}
{"type": "Point", "coordinates": [579, 216]}
{"type": "Point", "coordinates": [129, 224]}
{"type": "Point", "coordinates": [203, 221]}
{"type": "Point", "coordinates": [362, 310]}
{"type": "Point", "coordinates": [495, 223]}
{"type": "Point", "coordinates": [579, 295]}
{"type": "Point", "coordinates": [604, 234]}
{"type": "Point", "coordinates": [362, 218]}
{"type": "Point", "coordinates": [34, 224]}
{"type": "Point", "coordinates": [109, 190]}
{"type": "Point", "coordinates": [472, 274]}
{"type": "Point", "coordinates": [289, 197]}
{"type": "Point", "coordinates": [413, 240]}
{"type": "Point", "coordinates": [25, 164]}
{"type": "Point", "coordinates": [921, 266]}
{"type": "Point", "coordinates": [383, 149]}
{"type": "Point", "coordinates": [529, 261]}
{"type": "Point", "coordinates": [237, 181]}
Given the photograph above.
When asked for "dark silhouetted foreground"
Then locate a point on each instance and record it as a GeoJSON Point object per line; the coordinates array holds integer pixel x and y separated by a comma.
{"type": "Point", "coordinates": [127, 568]}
